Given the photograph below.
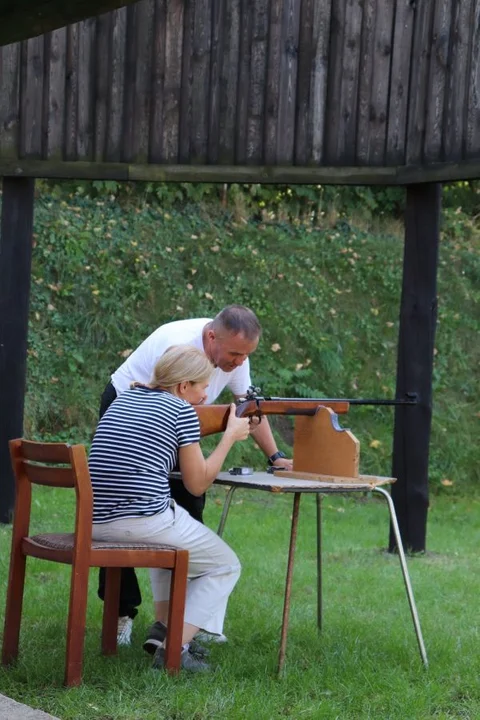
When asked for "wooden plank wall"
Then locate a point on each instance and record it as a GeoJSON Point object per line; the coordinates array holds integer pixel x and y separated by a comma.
{"type": "Point", "coordinates": [250, 82]}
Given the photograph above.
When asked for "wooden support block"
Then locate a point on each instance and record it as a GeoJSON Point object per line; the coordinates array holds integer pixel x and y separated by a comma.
{"type": "Point", "coordinates": [322, 447]}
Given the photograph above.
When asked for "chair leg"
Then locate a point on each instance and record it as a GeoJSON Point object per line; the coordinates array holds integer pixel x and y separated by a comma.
{"type": "Point", "coordinates": [110, 610]}
{"type": "Point", "coordinates": [176, 612]}
{"type": "Point", "coordinates": [77, 615]}
{"type": "Point", "coordinates": [13, 610]}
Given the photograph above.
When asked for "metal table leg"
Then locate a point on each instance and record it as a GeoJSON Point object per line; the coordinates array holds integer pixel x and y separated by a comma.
{"type": "Point", "coordinates": [226, 508]}
{"type": "Point", "coordinates": [319, 560]}
{"type": "Point", "coordinates": [406, 577]}
{"type": "Point", "coordinates": [288, 584]}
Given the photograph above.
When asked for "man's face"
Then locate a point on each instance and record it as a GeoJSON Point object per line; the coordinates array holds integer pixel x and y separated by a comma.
{"type": "Point", "coordinates": [228, 351]}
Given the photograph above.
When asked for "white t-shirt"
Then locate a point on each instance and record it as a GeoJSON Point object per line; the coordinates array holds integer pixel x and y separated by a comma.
{"type": "Point", "coordinates": [139, 365]}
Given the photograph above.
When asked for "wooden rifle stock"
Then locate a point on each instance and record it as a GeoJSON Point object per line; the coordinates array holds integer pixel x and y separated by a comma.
{"type": "Point", "coordinates": [214, 418]}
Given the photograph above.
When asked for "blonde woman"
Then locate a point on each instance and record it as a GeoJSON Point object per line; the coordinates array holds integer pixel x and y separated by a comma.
{"type": "Point", "coordinates": [228, 340]}
{"type": "Point", "coordinates": [137, 443]}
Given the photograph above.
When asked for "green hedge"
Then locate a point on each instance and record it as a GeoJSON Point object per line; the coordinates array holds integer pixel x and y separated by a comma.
{"type": "Point", "coordinates": [112, 262]}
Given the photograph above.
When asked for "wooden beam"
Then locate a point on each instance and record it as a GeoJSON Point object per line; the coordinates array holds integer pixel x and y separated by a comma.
{"type": "Point", "coordinates": [15, 265]}
{"type": "Point", "coordinates": [197, 173]}
{"type": "Point", "coordinates": [399, 175]}
{"type": "Point", "coordinates": [22, 19]}
{"type": "Point", "coordinates": [418, 314]}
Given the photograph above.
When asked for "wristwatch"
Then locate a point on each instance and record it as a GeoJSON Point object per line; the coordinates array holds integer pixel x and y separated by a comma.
{"type": "Point", "coordinates": [275, 456]}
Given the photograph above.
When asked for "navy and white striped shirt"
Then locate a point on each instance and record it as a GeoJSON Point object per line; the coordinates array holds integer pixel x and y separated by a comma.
{"type": "Point", "coordinates": [134, 448]}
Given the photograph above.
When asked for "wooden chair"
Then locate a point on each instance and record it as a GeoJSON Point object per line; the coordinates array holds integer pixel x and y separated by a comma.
{"type": "Point", "coordinates": [66, 466]}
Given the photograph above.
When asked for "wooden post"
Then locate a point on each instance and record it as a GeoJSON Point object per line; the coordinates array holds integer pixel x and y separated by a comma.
{"type": "Point", "coordinates": [15, 264]}
{"type": "Point", "coordinates": [418, 314]}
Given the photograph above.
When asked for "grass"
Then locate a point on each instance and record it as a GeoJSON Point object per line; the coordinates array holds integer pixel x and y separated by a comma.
{"type": "Point", "coordinates": [364, 664]}
{"type": "Point", "coordinates": [327, 293]}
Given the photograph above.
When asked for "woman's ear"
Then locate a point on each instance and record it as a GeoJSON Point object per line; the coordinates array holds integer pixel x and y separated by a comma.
{"type": "Point", "coordinates": [182, 388]}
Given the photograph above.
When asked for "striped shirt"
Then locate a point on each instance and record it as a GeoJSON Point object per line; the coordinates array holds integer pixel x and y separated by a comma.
{"type": "Point", "coordinates": [134, 448]}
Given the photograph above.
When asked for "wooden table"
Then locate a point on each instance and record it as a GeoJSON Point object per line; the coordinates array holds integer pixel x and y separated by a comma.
{"type": "Point", "coordinates": [325, 486]}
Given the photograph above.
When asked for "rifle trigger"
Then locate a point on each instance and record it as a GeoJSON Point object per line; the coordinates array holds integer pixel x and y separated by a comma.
{"type": "Point", "coordinates": [257, 416]}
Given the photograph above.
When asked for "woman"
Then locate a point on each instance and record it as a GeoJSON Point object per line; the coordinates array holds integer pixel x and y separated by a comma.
{"type": "Point", "coordinates": [137, 443]}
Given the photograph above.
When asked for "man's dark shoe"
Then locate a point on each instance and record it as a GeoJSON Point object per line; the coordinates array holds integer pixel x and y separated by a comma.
{"type": "Point", "coordinates": [188, 661]}
{"type": "Point", "coordinates": [156, 636]}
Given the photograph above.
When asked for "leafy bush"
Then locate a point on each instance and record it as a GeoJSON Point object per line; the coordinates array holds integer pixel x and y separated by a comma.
{"type": "Point", "coordinates": [111, 264]}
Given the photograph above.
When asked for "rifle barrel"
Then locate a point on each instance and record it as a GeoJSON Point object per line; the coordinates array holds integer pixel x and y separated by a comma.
{"type": "Point", "coordinates": [410, 400]}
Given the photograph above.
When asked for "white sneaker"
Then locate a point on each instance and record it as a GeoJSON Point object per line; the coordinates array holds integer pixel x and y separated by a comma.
{"type": "Point", "coordinates": [206, 637]}
{"type": "Point", "coordinates": [124, 630]}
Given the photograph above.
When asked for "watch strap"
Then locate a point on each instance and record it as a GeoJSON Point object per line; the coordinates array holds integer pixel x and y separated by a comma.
{"type": "Point", "coordinates": [276, 456]}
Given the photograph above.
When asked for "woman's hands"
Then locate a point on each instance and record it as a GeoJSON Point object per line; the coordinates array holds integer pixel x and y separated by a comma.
{"type": "Point", "coordinates": [198, 473]}
{"type": "Point", "coordinates": [237, 428]}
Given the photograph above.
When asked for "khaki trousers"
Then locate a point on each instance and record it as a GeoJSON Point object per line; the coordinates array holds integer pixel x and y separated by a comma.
{"type": "Point", "coordinates": [213, 568]}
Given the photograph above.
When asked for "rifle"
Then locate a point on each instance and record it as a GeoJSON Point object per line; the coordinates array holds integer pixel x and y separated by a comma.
{"type": "Point", "coordinates": [213, 418]}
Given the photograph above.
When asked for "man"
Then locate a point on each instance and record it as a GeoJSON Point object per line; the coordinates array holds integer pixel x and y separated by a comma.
{"type": "Point", "coordinates": [228, 340]}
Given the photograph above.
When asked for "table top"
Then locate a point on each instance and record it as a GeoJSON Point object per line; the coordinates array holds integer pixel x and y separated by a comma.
{"type": "Point", "coordinates": [327, 484]}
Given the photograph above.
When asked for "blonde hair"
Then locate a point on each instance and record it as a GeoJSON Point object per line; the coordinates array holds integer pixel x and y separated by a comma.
{"type": "Point", "coordinates": [181, 363]}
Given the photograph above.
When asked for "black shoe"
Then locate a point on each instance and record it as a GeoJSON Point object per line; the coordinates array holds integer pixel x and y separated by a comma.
{"type": "Point", "coordinates": [155, 637]}
{"type": "Point", "coordinates": [188, 661]}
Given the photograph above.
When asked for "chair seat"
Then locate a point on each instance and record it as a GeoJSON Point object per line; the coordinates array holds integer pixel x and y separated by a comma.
{"type": "Point", "coordinates": [64, 542]}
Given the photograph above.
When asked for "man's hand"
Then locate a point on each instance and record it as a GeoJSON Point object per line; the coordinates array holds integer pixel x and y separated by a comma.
{"type": "Point", "coordinates": [283, 463]}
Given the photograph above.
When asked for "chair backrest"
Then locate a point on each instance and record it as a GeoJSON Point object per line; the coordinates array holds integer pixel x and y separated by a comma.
{"type": "Point", "coordinates": [53, 465]}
